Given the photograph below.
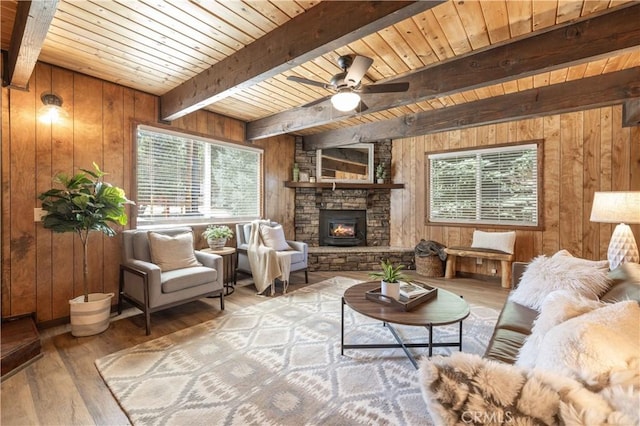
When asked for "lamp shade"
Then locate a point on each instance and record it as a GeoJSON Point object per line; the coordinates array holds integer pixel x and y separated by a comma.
{"type": "Point", "coordinates": [621, 208]}
{"type": "Point", "coordinates": [345, 101]}
{"type": "Point", "coordinates": [616, 207]}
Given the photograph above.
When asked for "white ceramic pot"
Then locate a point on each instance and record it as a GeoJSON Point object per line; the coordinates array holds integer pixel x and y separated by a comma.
{"type": "Point", "coordinates": [216, 243]}
{"type": "Point", "coordinates": [380, 180]}
{"type": "Point", "coordinates": [92, 317]}
{"type": "Point", "coordinates": [390, 289]}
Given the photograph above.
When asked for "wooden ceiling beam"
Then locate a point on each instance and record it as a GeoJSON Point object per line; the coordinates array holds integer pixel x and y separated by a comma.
{"type": "Point", "coordinates": [30, 28]}
{"type": "Point", "coordinates": [579, 42]}
{"type": "Point", "coordinates": [591, 92]}
{"type": "Point", "coordinates": [320, 30]}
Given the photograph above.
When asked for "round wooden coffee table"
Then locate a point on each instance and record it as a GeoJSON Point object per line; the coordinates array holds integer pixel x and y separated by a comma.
{"type": "Point", "coordinates": [445, 308]}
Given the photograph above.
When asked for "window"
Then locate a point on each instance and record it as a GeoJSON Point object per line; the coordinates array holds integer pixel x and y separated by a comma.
{"type": "Point", "coordinates": [188, 179]}
{"type": "Point", "coordinates": [493, 186]}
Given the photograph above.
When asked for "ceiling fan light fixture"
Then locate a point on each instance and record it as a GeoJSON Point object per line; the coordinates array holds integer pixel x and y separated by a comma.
{"type": "Point", "coordinates": [345, 100]}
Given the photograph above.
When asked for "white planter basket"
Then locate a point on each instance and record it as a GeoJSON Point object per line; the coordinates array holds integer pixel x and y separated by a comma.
{"type": "Point", "coordinates": [216, 243]}
{"type": "Point", "coordinates": [91, 317]}
{"type": "Point", "coordinates": [390, 289]}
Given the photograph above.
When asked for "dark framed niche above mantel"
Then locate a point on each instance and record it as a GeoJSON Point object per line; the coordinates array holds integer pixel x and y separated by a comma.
{"type": "Point", "coordinates": [343, 185]}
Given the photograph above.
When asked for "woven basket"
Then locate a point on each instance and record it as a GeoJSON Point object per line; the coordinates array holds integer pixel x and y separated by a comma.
{"type": "Point", "coordinates": [429, 266]}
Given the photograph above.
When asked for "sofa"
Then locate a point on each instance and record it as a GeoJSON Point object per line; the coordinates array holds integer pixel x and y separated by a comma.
{"type": "Point", "coordinates": [566, 352]}
{"type": "Point", "coordinates": [516, 321]}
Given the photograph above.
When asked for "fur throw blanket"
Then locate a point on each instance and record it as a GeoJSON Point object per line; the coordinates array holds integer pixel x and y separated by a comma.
{"type": "Point", "coordinates": [466, 389]}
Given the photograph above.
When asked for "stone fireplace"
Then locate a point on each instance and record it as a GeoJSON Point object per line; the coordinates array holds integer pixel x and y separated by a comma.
{"type": "Point", "coordinates": [374, 207]}
{"type": "Point", "coordinates": [342, 228]}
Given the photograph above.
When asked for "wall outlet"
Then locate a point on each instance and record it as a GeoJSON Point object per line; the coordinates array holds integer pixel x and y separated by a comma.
{"type": "Point", "coordinates": [478, 261]}
{"type": "Point", "coordinates": [38, 213]}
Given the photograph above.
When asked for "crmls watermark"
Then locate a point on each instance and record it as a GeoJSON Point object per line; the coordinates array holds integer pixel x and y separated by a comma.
{"type": "Point", "coordinates": [483, 417]}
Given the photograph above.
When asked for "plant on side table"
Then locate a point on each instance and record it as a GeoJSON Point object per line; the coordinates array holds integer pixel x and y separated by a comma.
{"type": "Point", "coordinates": [84, 204]}
{"type": "Point", "coordinates": [217, 235]}
{"type": "Point", "coordinates": [390, 278]}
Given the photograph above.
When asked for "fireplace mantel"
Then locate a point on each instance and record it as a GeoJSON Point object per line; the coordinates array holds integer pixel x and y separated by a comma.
{"type": "Point", "coordinates": [343, 185]}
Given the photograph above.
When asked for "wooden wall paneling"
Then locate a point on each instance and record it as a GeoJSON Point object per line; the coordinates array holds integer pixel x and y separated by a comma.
{"type": "Point", "coordinates": [403, 203]}
{"type": "Point", "coordinates": [571, 178]}
{"type": "Point", "coordinates": [591, 181]}
{"type": "Point", "coordinates": [43, 173]}
{"type": "Point", "coordinates": [418, 207]}
{"type": "Point", "coordinates": [278, 163]}
{"type": "Point", "coordinates": [22, 189]}
{"type": "Point", "coordinates": [634, 179]}
{"type": "Point", "coordinates": [5, 223]}
{"type": "Point", "coordinates": [215, 125]}
{"type": "Point", "coordinates": [528, 243]}
{"type": "Point", "coordinates": [113, 130]}
{"type": "Point", "coordinates": [88, 148]}
{"type": "Point", "coordinates": [128, 161]}
{"type": "Point", "coordinates": [396, 230]}
{"type": "Point", "coordinates": [620, 150]}
{"type": "Point", "coordinates": [62, 162]}
{"type": "Point", "coordinates": [606, 132]}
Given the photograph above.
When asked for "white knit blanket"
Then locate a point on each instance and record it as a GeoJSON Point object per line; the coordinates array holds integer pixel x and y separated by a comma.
{"type": "Point", "coordinates": [267, 264]}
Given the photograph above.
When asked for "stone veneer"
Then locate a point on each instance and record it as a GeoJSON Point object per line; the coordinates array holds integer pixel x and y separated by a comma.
{"type": "Point", "coordinates": [377, 203]}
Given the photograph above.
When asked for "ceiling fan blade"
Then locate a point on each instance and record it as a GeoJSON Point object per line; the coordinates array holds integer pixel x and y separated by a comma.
{"type": "Point", "coordinates": [316, 102]}
{"type": "Point", "coordinates": [385, 88]}
{"type": "Point", "coordinates": [306, 81]}
{"type": "Point", "coordinates": [357, 70]}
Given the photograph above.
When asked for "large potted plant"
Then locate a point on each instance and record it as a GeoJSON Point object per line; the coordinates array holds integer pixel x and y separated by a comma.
{"type": "Point", "coordinates": [84, 204]}
{"type": "Point", "coordinates": [390, 277]}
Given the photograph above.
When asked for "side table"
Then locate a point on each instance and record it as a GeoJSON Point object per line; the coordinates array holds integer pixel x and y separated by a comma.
{"type": "Point", "coordinates": [227, 254]}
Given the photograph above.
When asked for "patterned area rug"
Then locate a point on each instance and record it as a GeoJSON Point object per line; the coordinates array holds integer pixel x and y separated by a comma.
{"type": "Point", "coordinates": [279, 363]}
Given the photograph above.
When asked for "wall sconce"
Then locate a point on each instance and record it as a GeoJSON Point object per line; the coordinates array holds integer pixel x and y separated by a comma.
{"type": "Point", "coordinates": [51, 112]}
{"type": "Point", "coordinates": [621, 208]}
{"type": "Point", "coordinates": [345, 100]}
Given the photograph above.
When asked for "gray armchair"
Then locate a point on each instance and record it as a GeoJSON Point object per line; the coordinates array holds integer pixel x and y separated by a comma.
{"type": "Point", "coordinates": [146, 286]}
{"type": "Point", "coordinates": [298, 260]}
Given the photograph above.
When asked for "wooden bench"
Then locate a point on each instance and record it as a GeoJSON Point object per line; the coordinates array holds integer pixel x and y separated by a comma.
{"type": "Point", "coordinates": [505, 261]}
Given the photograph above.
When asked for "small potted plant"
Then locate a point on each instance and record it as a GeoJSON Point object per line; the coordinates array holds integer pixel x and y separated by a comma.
{"type": "Point", "coordinates": [380, 173]}
{"type": "Point", "coordinates": [84, 204]}
{"type": "Point", "coordinates": [390, 278]}
{"type": "Point", "coordinates": [217, 235]}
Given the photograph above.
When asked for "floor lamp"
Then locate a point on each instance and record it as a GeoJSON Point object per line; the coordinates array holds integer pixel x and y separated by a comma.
{"type": "Point", "coordinates": [622, 208]}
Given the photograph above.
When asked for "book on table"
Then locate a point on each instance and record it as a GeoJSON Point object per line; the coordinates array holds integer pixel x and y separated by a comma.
{"type": "Point", "coordinates": [411, 290]}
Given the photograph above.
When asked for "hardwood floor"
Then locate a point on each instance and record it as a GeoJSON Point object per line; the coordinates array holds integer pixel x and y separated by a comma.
{"type": "Point", "coordinates": [64, 387]}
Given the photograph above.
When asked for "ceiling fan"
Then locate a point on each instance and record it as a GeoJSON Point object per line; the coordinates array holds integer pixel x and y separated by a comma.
{"type": "Point", "coordinates": [347, 84]}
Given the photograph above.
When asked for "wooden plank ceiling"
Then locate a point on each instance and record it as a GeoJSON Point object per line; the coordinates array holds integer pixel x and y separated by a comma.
{"type": "Point", "coordinates": [156, 46]}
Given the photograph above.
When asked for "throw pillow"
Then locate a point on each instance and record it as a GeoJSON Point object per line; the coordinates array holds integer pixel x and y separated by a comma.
{"type": "Point", "coordinates": [501, 241]}
{"type": "Point", "coordinates": [557, 307]}
{"type": "Point", "coordinates": [590, 345]}
{"type": "Point", "coordinates": [544, 274]}
{"type": "Point", "coordinates": [171, 252]}
{"type": "Point", "coordinates": [273, 237]}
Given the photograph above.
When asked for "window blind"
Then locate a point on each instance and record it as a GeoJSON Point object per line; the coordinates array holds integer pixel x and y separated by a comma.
{"type": "Point", "coordinates": [486, 186]}
{"type": "Point", "coordinates": [186, 179]}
